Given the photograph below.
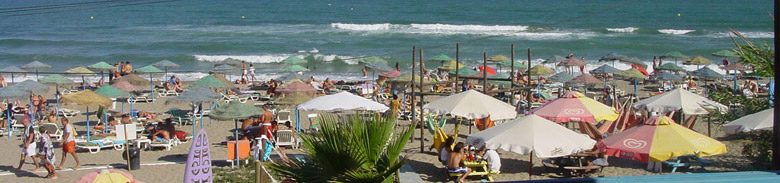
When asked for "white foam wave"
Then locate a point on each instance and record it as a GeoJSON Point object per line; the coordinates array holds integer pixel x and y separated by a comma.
{"type": "Point", "coordinates": [248, 58]}
{"type": "Point", "coordinates": [361, 27]}
{"type": "Point", "coordinates": [675, 31]}
{"type": "Point", "coordinates": [450, 27]}
{"type": "Point", "coordinates": [623, 30]}
{"type": "Point", "coordinates": [520, 31]}
{"type": "Point", "coordinates": [746, 34]}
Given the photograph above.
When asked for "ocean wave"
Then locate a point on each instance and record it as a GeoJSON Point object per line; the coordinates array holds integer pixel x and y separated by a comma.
{"type": "Point", "coordinates": [450, 27]}
{"type": "Point", "coordinates": [361, 27]}
{"type": "Point", "coordinates": [519, 31]}
{"type": "Point", "coordinates": [623, 30]}
{"type": "Point", "coordinates": [271, 58]}
{"type": "Point", "coordinates": [746, 34]}
{"type": "Point", "coordinates": [675, 31]}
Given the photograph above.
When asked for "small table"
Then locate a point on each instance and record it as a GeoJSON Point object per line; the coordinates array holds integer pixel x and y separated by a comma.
{"type": "Point", "coordinates": [144, 142]}
{"type": "Point", "coordinates": [478, 168]}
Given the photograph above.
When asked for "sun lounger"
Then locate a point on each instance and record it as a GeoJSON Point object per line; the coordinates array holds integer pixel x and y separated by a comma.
{"type": "Point", "coordinates": [181, 117]}
{"type": "Point", "coordinates": [94, 146]}
{"type": "Point", "coordinates": [167, 93]}
{"type": "Point", "coordinates": [53, 130]}
{"type": "Point", "coordinates": [283, 116]}
{"type": "Point", "coordinates": [167, 144]}
{"type": "Point", "coordinates": [68, 112]}
{"type": "Point", "coordinates": [229, 98]}
{"type": "Point", "coordinates": [146, 97]}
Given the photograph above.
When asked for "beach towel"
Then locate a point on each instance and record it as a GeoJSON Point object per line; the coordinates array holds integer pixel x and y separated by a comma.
{"type": "Point", "coordinates": [480, 123]}
{"type": "Point", "coordinates": [269, 147]}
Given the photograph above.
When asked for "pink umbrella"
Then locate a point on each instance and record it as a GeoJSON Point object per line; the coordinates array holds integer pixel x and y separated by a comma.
{"type": "Point", "coordinates": [126, 86]}
{"type": "Point", "coordinates": [107, 176]}
{"type": "Point", "coordinates": [391, 74]}
{"type": "Point", "coordinates": [573, 107]}
{"type": "Point", "coordinates": [297, 87]}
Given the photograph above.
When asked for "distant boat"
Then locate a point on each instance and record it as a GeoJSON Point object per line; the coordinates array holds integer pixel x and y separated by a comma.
{"type": "Point", "coordinates": [313, 50]}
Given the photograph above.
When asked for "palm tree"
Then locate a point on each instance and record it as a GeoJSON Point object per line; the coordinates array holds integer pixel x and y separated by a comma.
{"type": "Point", "coordinates": [359, 149]}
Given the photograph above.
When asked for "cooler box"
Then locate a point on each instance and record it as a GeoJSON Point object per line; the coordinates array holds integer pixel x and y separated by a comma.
{"type": "Point", "coordinates": [243, 149]}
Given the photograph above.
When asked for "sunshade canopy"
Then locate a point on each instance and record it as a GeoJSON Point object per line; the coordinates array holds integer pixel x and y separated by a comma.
{"type": "Point", "coordinates": [408, 78]}
{"type": "Point", "coordinates": [498, 58]}
{"type": "Point", "coordinates": [294, 68]}
{"type": "Point", "coordinates": [197, 94]}
{"type": "Point", "coordinates": [585, 79]}
{"type": "Point", "coordinates": [9, 93]}
{"type": "Point", "coordinates": [670, 67]}
{"type": "Point", "coordinates": [149, 69]}
{"type": "Point", "coordinates": [292, 99]}
{"type": "Point", "coordinates": [56, 79]}
{"type": "Point", "coordinates": [540, 70]}
{"type": "Point", "coordinates": [532, 134]}
{"type": "Point", "coordinates": [342, 101]}
{"type": "Point", "coordinates": [166, 64]}
{"type": "Point", "coordinates": [11, 69]}
{"type": "Point", "coordinates": [235, 110]}
{"type": "Point", "coordinates": [110, 91]}
{"type": "Point", "coordinates": [707, 73]}
{"type": "Point", "coordinates": [698, 60]}
{"type": "Point", "coordinates": [125, 86]}
{"type": "Point", "coordinates": [631, 74]}
{"type": "Point", "coordinates": [36, 65]}
{"type": "Point", "coordinates": [86, 98]}
{"type": "Point", "coordinates": [297, 87]}
{"type": "Point", "coordinates": [677, 99]}
{"type": "Point", "coordinates": [472, 104]}
{"type": "Point", "coordinates": [440, 57]}
{"type": "Point", "coordinates": [573, 106]}
{"type": "Point", "coordinates": [667, 76]}
{"type": "Point", "coordinates": [291, 76]}
{"type": "Point", "coordinates": [659, 139]}
{"type": "Point", "coordinates": [735, 66]}
{"type": "Point", "coordinates": [674, 55]}
{"type": "Point", "coordinates": [101, 66]}
{"type": "Point", "coordinates": [604, 69]}
{"type": "Point", "coordinates": [80, 70]}
{"type": "Point", "coordinates": [554, 59]}
{"type": "Point", "coordinates": [209, 81]}
{"type": "Point", "coordinates": [758, 121]}
{"type": "Point", "coordinates": [450, 66]}
{"type": "Point", "coordinates": [30, 86]}
{"type": "Point", "coordinates": [293, 60]}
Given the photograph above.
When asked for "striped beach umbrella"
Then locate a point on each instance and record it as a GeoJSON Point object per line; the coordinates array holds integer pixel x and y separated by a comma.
{"type": "Point", "coordinates": [575, 107]}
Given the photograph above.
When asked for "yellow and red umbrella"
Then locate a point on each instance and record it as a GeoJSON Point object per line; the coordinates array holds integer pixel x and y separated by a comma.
{"type": "Point", "coordinates": [575, 107]}
{"type": "Point", "coordinates": [108, 176]}
{"type": "Point", "coordinates": [659, 139]}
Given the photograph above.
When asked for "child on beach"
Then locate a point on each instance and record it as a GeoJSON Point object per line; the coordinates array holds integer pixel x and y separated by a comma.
{"type": "Point", "coordinates": [46, 153]}
{"type": "Point", "coordinates": [68, 144]}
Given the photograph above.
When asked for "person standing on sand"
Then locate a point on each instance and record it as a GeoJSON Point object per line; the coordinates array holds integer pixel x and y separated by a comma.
{"type": "Point", "coordinates": [244, 71]}
{"type": "Point", "coordinates": [46, 153]}
{"type": "Point", "coordinates": [268, 116]}
{"type": "Point", "coordinates": [68, 143]}
{"type": "Point", "coordinates": [28, 148]}
{"type": "Point", "coordinates": [252, 72]}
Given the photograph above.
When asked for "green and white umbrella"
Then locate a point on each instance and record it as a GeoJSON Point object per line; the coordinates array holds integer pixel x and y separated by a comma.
{"type": "Point", "coordinates": [235, 111]}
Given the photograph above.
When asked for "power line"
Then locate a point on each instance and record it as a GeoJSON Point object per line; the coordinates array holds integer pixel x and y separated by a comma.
{"type": "Point", "coordinates": [45, 7]}
{"type": "Point", "coordinates": [91, 8]}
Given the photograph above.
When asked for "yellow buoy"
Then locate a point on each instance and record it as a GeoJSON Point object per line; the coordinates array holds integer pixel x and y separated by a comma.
{"type": "Point", "coordinates": [678, 14]}
{"type": "Point", "coordinates": [91, 17]}
{"type": "Point", "coordinates": [242, 17]}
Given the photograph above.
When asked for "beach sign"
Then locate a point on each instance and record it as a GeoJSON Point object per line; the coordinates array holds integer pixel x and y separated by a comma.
{"type": "Point", "coordinates": [198, 168]}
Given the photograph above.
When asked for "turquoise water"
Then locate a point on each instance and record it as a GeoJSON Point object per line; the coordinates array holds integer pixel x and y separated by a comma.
{"type": "Point", "coordinates": [197, 33]}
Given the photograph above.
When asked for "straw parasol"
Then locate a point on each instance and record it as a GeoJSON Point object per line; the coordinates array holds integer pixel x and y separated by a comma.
{"type": "Point", "coordinates": [571, 62]}
{"type": "Point", "coordinates": [165, 65]}
{"type": "Point", "coordinates": [554, 59]}
{"type": "Point", "coordinates": [497, 58]}
{"type": "Point", "coordinates": [293, 60]}
{"type": "Point", "coordinates": [101, 66]}
{"type": "Point", "coordinates": [209, 81]}
{"type": "Point", "coordinates": [86, 98]}
{"type": "Point", "coordinates": [12, 70]}
{"type": "Point", "coordinates": [391, 74]}
{"type": "Point", "coordinates": [297, 87]}
{"type": "Point", "coordinates": [698, 60]}
{"type": "Point", "coordinates": [125, 86]}
{"type": "Point", "coordinates": [563, 77]}
{"type": "Point", "coordinates": [110, 91]}
{"type": "Point", "coordinates": [612, 56]}
{"type": "Point", "coordinates": [604, 69]}
{"type": "Point", "coordinates": [450, 66]}
{"type": "Point", "coordinates": [292, 99]}
{"type": "Point", "coordinates": [585, 79]}
{"type": "Point", "coordinates": [408, 77]}
{"type": "Point", "coordinates": [133, 79]}
{"type": "Point", "coordinates": [441, 57]}
{"type": "Point", "coordinates": [540, 70]}
{"type": "Point", "coordinates": [296, 68]}
{"type": "Point", "coordinates": [670, 67]}
{"type": "Point", "coordinates": [196, 95]}
{"type": "Point", "coordinates": [36, 66]}
{"type": "Point", "coordinates": [667, 76]}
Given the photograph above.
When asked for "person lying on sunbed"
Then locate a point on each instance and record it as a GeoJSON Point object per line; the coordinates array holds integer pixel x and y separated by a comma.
{"type": "Point", "coordinates": [164, 132]}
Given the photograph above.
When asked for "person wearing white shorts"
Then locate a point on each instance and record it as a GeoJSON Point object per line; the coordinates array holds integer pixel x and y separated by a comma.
{"type": "Point", "coordinates": [28, 146]}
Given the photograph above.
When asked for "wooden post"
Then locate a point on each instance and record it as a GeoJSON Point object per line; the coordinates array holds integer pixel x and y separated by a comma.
{"type": "Point", "coordinates": [457, 64]}
{"type": "Point", "coordinates": [422, 99]}
{"type": "Point", "coordinates": [709, 122]}
{"type": "Point", "coordinates": [531, 165]}
{"type": "Point", "coordinates": [127, 147]}
{"type": "Point", "coordinates": [512, 74]}
{"type": "Point", "coordinates": [412, 97]}
{"type": "Point", "coordinates": [258, 176]}
{"type": "Point", "coordinates": [528, 74]}
{"type": "Point", "coordinates": [484, 73]}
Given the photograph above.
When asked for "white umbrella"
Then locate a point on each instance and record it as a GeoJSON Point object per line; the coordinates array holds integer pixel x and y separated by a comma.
{"type": "Point", "coordinates": [472, 104]}
{"type": "Point", "coordinates": [342, 101]}
{"type": "Point", "coordinates": [677, 99]}
{"type": "Point", "coordinates": [757, 121]}
{"type": "Point", "coordinates": [533, 134]}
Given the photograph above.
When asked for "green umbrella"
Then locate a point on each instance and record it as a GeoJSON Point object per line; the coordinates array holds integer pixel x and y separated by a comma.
{"type": "Point", "coordinates": [294, 68]}
{"type": "Point", "coordinates": [292, 99]}
{"type": "Point", "coordinates": [508, 63]}
{"type": "Point", "coordinates": [540, 70]}
{"type": "Point", "coordinates": [234, 111]}
{"type": "Point", "coordinates": [707, 73]}
{"type": "Point", "coordinates": [726, 53]}
{"type": "Point", "coordinates": [450, 66]}
{"type": "Point", "coordinates": [166, 64]}
{"type": "Point", "coordinates": [604, 69]}
{"type": "Point", "coordinates": [464, 71]}
{"type": "Point", "coordinates": [612, 56]}
{"type": "Point", "coordinates": [667, 76]}
{"type": "Point", "coordinates": [670, 67]}
{"type": "Point", "coordinates": [209, 82]}
{"type": "Point", "coordinates": [441, 57]}
{"type": "Point", "coordinates": [150, 69]}
{"type": "Point", "coordinates": [674, 55]}
{"type": "Point", "coordinates": [563, 77]}
{"type": "Point", "coordinates": [101, 66]}
{"type": "Point", "coordinates": [697, 60]}
{"type": "Point", "coordinates": [293, 60]}
{"type": "Point", "coordinates": [498, 58]}
{"type": "Point", "coordinates": [110, 92]}
{"type": "Point", "coordinates": [372, 59]}
{"type": "Point", "coordinates": [36, 66]}
{"type": "Point", "coordinates": [499, 76]}
{"type": "Point", "coordinates": [631, 74]}
{"type": "Point", "coordinates": [56, 79]}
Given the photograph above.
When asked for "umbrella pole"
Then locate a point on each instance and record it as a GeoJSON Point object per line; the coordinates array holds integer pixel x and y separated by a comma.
{"type": "Point", "coordinates": [531, 165]}
{"type": "Point", "coordinates": [211, 108]}
{"type": "Point", "coordinates": [83, 83]}
{"type": "Point", "coordinates": [235, 146]}
{"type": "Point", "coordinates": [57, 98]}
{"type": "Point", "coordinates": [297, 119]}
{"type": "Point", "coordinates": [12, 78]}
{"type": "Point", "coordinates": [88, 124]}
{"type": "Point", "coordinates": [192, 117]}
{"type": "Point", "coordinates": [709, 123]}
{"type": "Point", "coordinates": [151, 86]}
{"type": "Point", "coordinates": [8, 119]}
{"type": "Point", "coordinates": [201, 115]}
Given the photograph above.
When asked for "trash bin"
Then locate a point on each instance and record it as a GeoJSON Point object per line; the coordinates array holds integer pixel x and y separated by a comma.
{"type": "Point", "coordinates": [135, 158]}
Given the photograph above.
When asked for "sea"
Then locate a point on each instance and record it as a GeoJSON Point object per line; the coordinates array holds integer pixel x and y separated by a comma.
{"type": "Point", "coordinates": [196, 34]}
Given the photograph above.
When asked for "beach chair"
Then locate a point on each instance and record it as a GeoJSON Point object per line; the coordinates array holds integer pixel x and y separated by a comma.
{"type": "Point", "coordinates": [286, 138]}
{"type": "Point", "coordinates": [167, 144]}
{"type": "Point", "coordinates": [181, 117]}
{"type": "Point", "coordinates": [283, 116]}
{"type": "Point", "coordinates": [53, 130]}
{"type": "Point", "coordinates": [434, 124]}
{"type": "Point", "coordinates": [146, 97]}
{"type": "Point", "coordinates": [167, 93]}
{"type": "Point", "coordinates": [68, 112]}
{"type": "Point", "coordinates": [229, 98]}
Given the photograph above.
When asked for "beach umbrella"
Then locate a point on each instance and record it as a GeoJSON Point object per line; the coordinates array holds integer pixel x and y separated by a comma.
{"type": "Point", "coordinates": [677, 99]}
{"type": "Point", "coordinates": [150, 70]}
{"type": "Point", "coordinates": [342, 101]}
{"type": "Point", "coordinates": [497, 58]}
{"type": "Point", "coordinates": [81, 71]}
{"type": "Point", "coordinates": [450, 66]}
{"type": "Point", "coordinates": [499, 76]}
{"type": "Point", "coordinates": [471, 104]}
{"type": "Point", "coordinates": [292, 99]}
{"type": "Point", "coordinates": [575, 107]}
{"type": "Point", "coordinates": [293, 60]}
{"type": "Point", "coordinates": [196, 95]}
{"type": "Point", "coordinates": [235, 111]}
{"type": "Point", "coordinates": [604, 69]}
{"type": "Point", "coordinates": [509, 63]}
{"type": "Point", "coordinates": [612, 56]}
{"type": "Point", "coordinates": [297, 87]}
{"type": "Point", "coordinates": [632, 74]}
{"type": "Point", "coordinates": [209, 81]}
{"type": "Point", "coordinates": [102, 67]}
{"type": "Point", "coordinates": [659, 139]}
{"type": "Point", "coordinates": [107, 176]}
{"type": "Point", "coordinates": [165, 65]}
{"type": "Point", "coordinates": [372, 59]}
{"type": "Point", "coordinates": [736, 66]}
{"type": "Point", "coordinates": [698, 60]}
{"type": "Point", "coordinates": [585, 79]}
{"type": "Point", "coordinates": [554, 59]}
{"type": "Point", "coordinates": [634, 60]}
{"type": "Point", "coordinates": [571, 62]}
{"type": "Point", "coordinates": [133, 80]}
{"type": "Point", "coordinates": [379, 67]}
{"type": "Point", "coordinates": [125, 86]}
{"type": "Point", "coordinates": [11, 70]}
{"type": "Point", "coordinates": [294, 68]}
{"type": "Point", "coordinates": [9, 93]}
{"type": "Point", "coordinates": [540, 70]}
{"type": "Point", "coordinates": [110, 91]}
{"type": "Point", "coordinates": [532, 133]}
{"type": "Point", "coordinates": [707, 73]}
{"type": "Point", "coordinates": [408, 77]}
{"type": "Point", "coordinates": [391, 74]}
{"type": "Point", "coordinates": [291, 76]}
{"type": "Point", "coordinates": [36, 66]}
{"type": "Point", "coordinates": [56, 79]}
{"type": "Point", "coordinates": [726, 54]}
{"type": "Point", "coordinates": [464, 71]}
{"type": "Point", "coordinates": [670, 67]}
{"type": "Point", "coordinates": [674, 55]}
{"type": "Point", "coordinates": [86, 98]}
{"type": "Point", "coordinates": [30, 86]}
{"type": "Point", "coordinates": [563, 77]}
{"type": "Point", "coordinates": [667, 76]}
{"type": "Point", "coordinates": [757, 121]}
{"type": "Point", "coordinates": [441, 57]}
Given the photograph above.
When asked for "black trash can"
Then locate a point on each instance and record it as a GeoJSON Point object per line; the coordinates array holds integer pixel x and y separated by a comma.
{"type": "Point", "coordinates": [135, 158]}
